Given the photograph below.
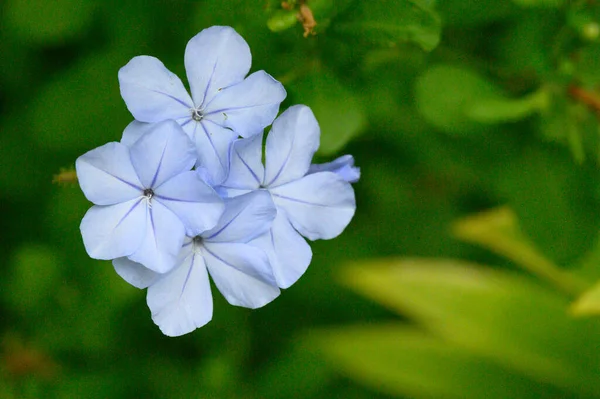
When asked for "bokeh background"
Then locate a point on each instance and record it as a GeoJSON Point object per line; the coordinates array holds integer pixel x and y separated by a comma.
{"type": "Point", "coordinates": [469, 270]}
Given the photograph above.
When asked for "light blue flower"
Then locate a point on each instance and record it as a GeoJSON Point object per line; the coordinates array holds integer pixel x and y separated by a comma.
{"type": "Point", "coordinates": [315, 205]}
{"type": "Point", "coordinates": [146, 198]}
{"type": "Point", "coordinates": [223, 104]}
{"type": "Point", "coordinates": [181, 301]}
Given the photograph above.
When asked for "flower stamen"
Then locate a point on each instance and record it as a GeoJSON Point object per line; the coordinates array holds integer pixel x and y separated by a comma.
{"type": "Point", "coordinates": [197, 114]}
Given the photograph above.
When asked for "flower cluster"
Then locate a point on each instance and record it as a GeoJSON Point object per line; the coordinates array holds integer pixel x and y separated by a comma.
{"type": "Point", "coordinates": [185, 193]}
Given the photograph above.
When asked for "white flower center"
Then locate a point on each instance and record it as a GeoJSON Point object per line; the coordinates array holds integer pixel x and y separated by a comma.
{"type": "Point", "coordinates": [197, 114]}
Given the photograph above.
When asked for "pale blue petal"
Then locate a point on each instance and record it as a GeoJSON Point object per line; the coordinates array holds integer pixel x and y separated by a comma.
{"type": "Point", "coordinates": [342, 166]}
{"type": "Point", "coordinates": [114, 231]}
{"type": "Point", "coordinates": [245, 217]}
{"type": "Point", "coordinates": [152, 93]}
{"type": "Point", "coordinates": [212, 146]}
{"type": "Point", "coordinates": [197, 205]}
{"type": "Point", "coordinates": [161, 153]}
{"type": "Point", "coordinates": [289, 254]}
{"type": "Point", "coordinates": [226, 192]}
{"type": "Point", "coordinates": [249, 106]}
{"type": "Point", "coordinates": [241, 272]}
{"type": "Point", "coordinates": [246, 170]}
{"type": "Point", "coordinates": [291, 145]}
{"type": "Point", "coordinates": [319, 206]}
{"type": "Point", "coordinates": [215, 58]}
{"type": "Point", "coordinates": [134, 131]}
{"type": "Point", "coordinates": [181, 301]}
{"type": "Point", "coordinates": [135, 273]}
{"type": "Point", "coordinates": [162, 241]}
{"type": "Point", "coordinates": [106, 175]}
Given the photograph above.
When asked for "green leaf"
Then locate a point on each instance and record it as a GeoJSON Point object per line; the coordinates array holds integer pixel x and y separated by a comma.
{"type": "Point", "coordinates": [446, 94]}
{"type": "Point", "coordinates": [496, 314]}
{"type": "Point", "coordinates": [337, 109]}
{"type": "Point", "coordinates": [48, 22]}
{"type": "Point", "coordinates": [588, 303]}
{"type": "Point", "coordinates": [388, 22]}
{"type": "Point", "coordinates": [508, 110]}
{"type": "Point", "coordinates": [282, 20]}
{"type": "Point", "coordinates": [403, 361]}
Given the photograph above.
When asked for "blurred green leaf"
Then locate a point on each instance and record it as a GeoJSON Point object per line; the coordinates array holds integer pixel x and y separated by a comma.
{"type": "Point", "coordinates": [588, 303]}
{"type": "Point", "coordinates": [388, 22]}
{"type": "Point", "coordinates": [337, 108]}
{"type": "Point", "coordinates": [508, 110]}
{"type": "Point", "coordinates": [460, 13]}
{"type": "Point", "coordinates": [48, 22]}
{"type": "Point", "coordinates": [282, 20]}
{"type": "Point", "coordinates": [498, 230]}
{"type": "Point", "coordinates": [406, 362]}
{"type": "Point", "coordinates": [445, 95]}
{"type": "Point", "coordinates": [496, 314]}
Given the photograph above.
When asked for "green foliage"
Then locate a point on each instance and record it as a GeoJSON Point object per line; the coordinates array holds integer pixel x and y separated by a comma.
{"type": "Point", "coordinates": [476, 128]}
{"type": "Point", "coordinates": [387, 22]}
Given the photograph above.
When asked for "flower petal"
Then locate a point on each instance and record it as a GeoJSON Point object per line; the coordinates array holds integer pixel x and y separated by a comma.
{"type": "Point", "coordinates": [215, 58]}
{"type": "Point", "coordinates": [291, 145]}
{"type": "Point", "coordinates": [245, 218]}
{"type": "Point", "coordinates": [193, 201]}
{"type": "Point", "coordinates": [319, 206]}
{"type": "Point", "coordinates": [152, 93]}
{"type": "Point", "coordinates": [241, 272]}
{"type": "Point", "coordinates": [181, 301]}
{"type": "Point", "coordinates": [249, 106]}
{"type": "Point", "coordinates": [134, 131]}
{"type": "Point", "coordinates": [106, 175]}
{"type": "Point", "coordinates": [134, 273]}
{"type": "Point", "coordinates": [163, 239]}
{"type": "Point", "coordinates": [342, 166]}
{"type": "Point", "coordinates": [246, 170]}
{"type": "Point", "coordinates": [289, 254]}
{"type": "Point", "coordinates": [114, 231]}
{"type": "Point", "coordinates": [212, 146]}
{"type": "Point", "coordinates": [161, 153]}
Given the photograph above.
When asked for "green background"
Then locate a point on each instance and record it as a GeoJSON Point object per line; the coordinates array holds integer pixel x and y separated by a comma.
{"type": "Point", "coordinates": [450, 108]}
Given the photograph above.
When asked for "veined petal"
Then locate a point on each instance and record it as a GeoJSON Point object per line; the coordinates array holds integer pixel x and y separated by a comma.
{"type": "Point", "coordinates": [163, 238]}
{"type": "Point", "coordinates": [152, 93]}
{"type": "Point", "coordinates": [245, 217]}
{"type": "Point", "coordinates": [319, 206]}
{"type": "Point", "coordinates": [193, 201]}
{"type": "Point", "coordinates": [114, 231]}
{"type": "Point", "coordinates": [106, 175]}
{"type": "Point", "coordinates": [246, 170]}
{"type": "Point", "coordinates": [134, 273]}
{"type": "Point", "coordinates": [161, 153]}
{"type": "Point", "coordinates": [342, 166]}
{"type": "Point", "coordinates": [134, 131]}
{"type": "Point", "coordinates": [289, 254]}
{"type": "Point", "coordinates": [212, 145]}
{"type": "Point", "coordinates": [241, 272]}
{"type": "Point", "coordinates": [249, 106]}
{"type": "Point", "coordinates": [180, 301]}
{"type": "Point", "coordinates": [291, 145]}
{"type": "Point", "coordinates": [215, 58]}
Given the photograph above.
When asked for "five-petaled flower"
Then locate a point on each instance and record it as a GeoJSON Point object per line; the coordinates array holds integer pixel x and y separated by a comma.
{"type": "Point", "coordinates": [146, 198]}
{"type": "Point", "coordinates": [180, 301]}
{"type": "Point", "coordinates": [316, 204]}
{"type": "Point", "coordinates": [224, 103]}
